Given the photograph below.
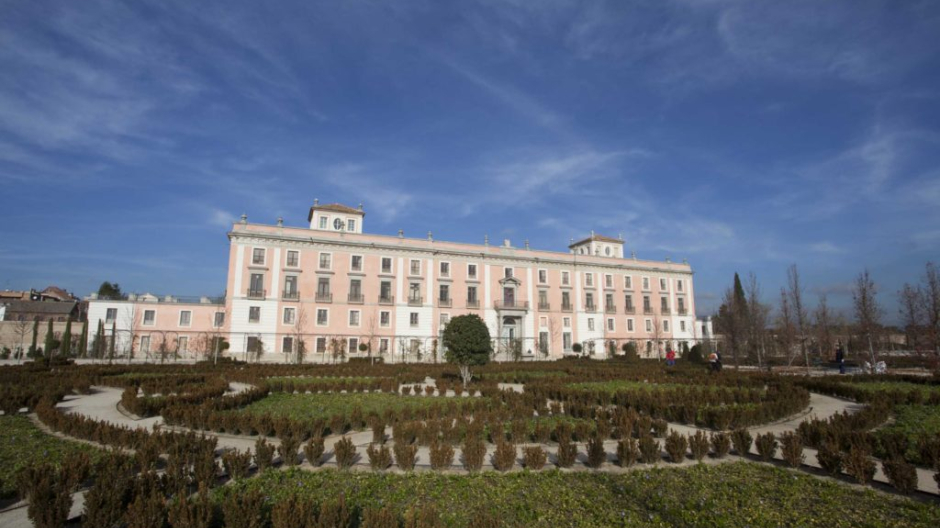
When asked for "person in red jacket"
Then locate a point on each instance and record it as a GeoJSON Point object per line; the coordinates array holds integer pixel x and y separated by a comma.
{"type": "Point", "coordinates": [671, 358]}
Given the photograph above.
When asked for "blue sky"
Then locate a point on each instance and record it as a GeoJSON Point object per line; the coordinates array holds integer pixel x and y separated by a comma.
{"type": "Point", "coordinates": [744, 136]}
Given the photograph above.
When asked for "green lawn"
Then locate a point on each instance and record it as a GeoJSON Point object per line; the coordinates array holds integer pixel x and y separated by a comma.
{"type": "Point", "coordinates": [878, 386]}
{"type": "Point", "coordinates": [23, 444]}
{"type": "Point", "coordinates": [312, 406]}
{"type": "Point", "coordinates": [914, 422]}
{"type": "Point", "coordinates": [623, 385]}
{"type": "Point", "coordinates": [732, 494]}
{"type": "Point", "coordinates": [315, 380]}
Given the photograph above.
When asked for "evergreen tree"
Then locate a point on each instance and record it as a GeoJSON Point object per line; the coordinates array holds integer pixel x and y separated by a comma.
{"type": "Point", "coordinates": [111, 343]}
{"type": "Point", "coordinates": [83, 341]}
{"type": "Point", "coordinates": [732, 319]}
{"type": "Point", "coordinates": [32, 347]}
{"type": "Point", "coordinates": [49, 341]}
{"type": "Point", "coordinates": [98, 345]}
{"type": "Point", "coordinates": [110, 291]}
{"type": "Point", "coordinates": [66, 348]}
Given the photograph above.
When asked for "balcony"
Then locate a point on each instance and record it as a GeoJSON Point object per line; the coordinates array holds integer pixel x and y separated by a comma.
{"type": "Point", "coordinates": [590, 307]}
{"type": "Point", "coordinates": [445, 303]}
{"type": "Point", "coordinates": [610, 308]}
{"type": "Point", "coordinates": [629, 310]}
{"type": "Point", "coordinates": [355, 298]}
{"type": "Point", "coordinates": [665, 310]}
{"type": "Point", "coordinates": [683, 311]}
{"type": "Point", "coordinates": [473, 303]}
{"type": "Point", "coordinates": [510, 304]}
{"type": "Point", "coordinates": [324, 297]}
{"type": "Point", "coordinates": [566, 307]}
{"type": "Point", "coordinates": [289, 295]}
{"type": "Point", "coordinates": [415, 300]}
{"type": "Point", "coordinates": [544, 306]}
{"type": "Point", "coordinates": [257, 294]}
{"type": "Point", "coordinates": [647, 310]}
{"type": "Point", "coordinates": [386, 299]}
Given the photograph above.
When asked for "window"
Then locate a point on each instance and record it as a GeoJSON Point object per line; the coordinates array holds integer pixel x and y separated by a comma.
{"type": "Point", "coordinates": [589, 301]}
{"type": "Point", "coordinates": [355, 289]}
{"type": "Point", "coordinates": [110, 315]}
{"type": "Point", "coordinates": [566, 341]}
{"type": "Point", "coordinates": [664, 304]}
{"type": "Point", "coordinates": [647, 307]}
{"type": "Point", "coordinates": [257, 256]}
{"type": "Point", "coordinates": [323, 317]}
{"type": "Point", "coordinates": [385, 319]}
{"type": "Point", "coordinates": [565, 278]}
{"type": "Point", "coordinates": [543, 321]}
{"type": "Point", "coordinates": [385, 291]}
{"type": "Point", "coordinates": [290, 315]}
{"type": "Point", "coordinates": [589, 279]}
{"type": "Point", "coordinates": [321, 345]}
{"type": "Point", "coordinates": [254, 314]}
{"type": "Point", "coordinates": [649, 325]}
{"type": "Point", "coordinates": [610, 324]}
{"type": "Point", "coordinates": [609, 301]}
{"type": "Point", "coordinates": [353, 345]}
{"type": "Point", "coordinates": [471, 271]}
{"type": "Point", "coordinates": [186, 318]}
{"type": "Point", "coordinates": [445, 269]}
{"type": "Point", "coordinates": [414, 319]}
{"type": "Point", "coordinates": [682, 326]}
{"type": "Point", "coordinates": [662, 284]}
{"type": "Point", "coordinates": [543, 342]}
{"type": "Point", "coordinates": [149, 317]}
{"type": "Point", "coordinates": [353, 317]}
{"type": "Point", "coordinates": [324, 221]}
{"type": "Point", "coordinates": [293, 258]}
{"type": "Point", "coordinates": [565, 300]}
{"type": "Point", "coordinates": [145, 343]}
{"type": "Point", "coordinates": [326, 261]}
{"type": "Point", "coordinates": [679, 285]}
{"type": "Point", "coordinates": [290, 287]}
{"type": "Point", "coordinates": [471, 294]}
{"type": "Point", "coordinates": [254, 345]}
{"type": "Point", "coordinates": [608, 281]}
{"type": "Point", "coordinates": [414, 292]}
{"type": "Point", "coordinates": [182, 344]}
{"type": "Point", "coordinates": [629, 325]}
{"type": "Point", "coordinates": [355, 263]}
{"type": "Point", "coordinates": [628, 299]}
{"type": "Point", "coordinates": [351, 224]}
{"type": "Point", "coordinates": [256, 285]}
{"type": "Point", "coordinates": [323, 286]}
{"type": "Point", "coordinates": [665, 326]}
{"type": "Point", "coordinates": [383, 346]}
{"type": "Point", "coordinates": [507, 273]}
{"type": "Point", "coordinates": [543, 299]}
{"type": "Point", "coordinates": [416, 267]}
{"type": "Point", "coordinates": [287, 345]}
{"type": "Point", "coordinates": [566, 322]}
{"type": "Point", "coordinates": [646, 283]}
{"type": "Point", "coordinates": [627, 282]}
{"type": "Point", "coordinates": [444, 293]}
{"type": "Point", "coordinates": [219, 319]}
{"type": "Point", "coordinates": [543, 276]}
{"type": "Point", "coordinates": [386, 265]}
{"type": "Point", "coordinates": [681, 302]}
{"type": "Point", "coordinates": [590, 324]}
{"type": "Point", "coordinates": [445, 318]}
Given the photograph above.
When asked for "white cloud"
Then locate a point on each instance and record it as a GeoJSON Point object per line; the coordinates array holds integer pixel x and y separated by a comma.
{"type": "Point", "coordinates": [826, 247]}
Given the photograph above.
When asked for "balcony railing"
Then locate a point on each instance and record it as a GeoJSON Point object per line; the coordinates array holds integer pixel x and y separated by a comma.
{"type": "Point", "coordinates": [610, 308]}
{"type": "Point", "coordinates": [291, 295]}
{"type": "Point", "coordinates": [544, 306]}
{"type": "Point", "coordinates": [683, 311]}
{"type": "Point", "coordinates": [647, 310]}
{"type": "Point", "coordinates": [355, 298]}
{"type": "Point", "coordinates": [590, 307]}
{"type": "Point", "coordinates": [445, 303]}
{"type": "Point", "coordinates": [511, 305]}
{"type": "Point", "coordinates": [630, 310]}
{"type": "Point", "coordinates": [473, 303]}
{"type": "Point", "coordinates": [257, 294]}
{"type": "Point", "coordinates": [386, 299]}
{"type": "Point", "coordinates": [324, 297]}
{"type": "Point", "coordinates": [567, 307]}
{"type": "Point", "coordinates": [415, 300]}
{"type": "Point", "coordinates": [665, 310]}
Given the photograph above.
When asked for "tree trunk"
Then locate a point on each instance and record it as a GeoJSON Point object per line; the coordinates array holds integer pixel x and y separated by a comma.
{"type": "Point", "coordinates": [465, 374]}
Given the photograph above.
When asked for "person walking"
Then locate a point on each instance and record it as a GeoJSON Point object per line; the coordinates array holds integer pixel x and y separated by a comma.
{"type": "Point", "coordinates": [713, 361]}
{"type": "Point", "coordinates": [840, 357]}
{"type": "Point", "coordinates": [671, 358]}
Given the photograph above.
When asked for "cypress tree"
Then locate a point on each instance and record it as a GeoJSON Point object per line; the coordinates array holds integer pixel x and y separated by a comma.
{"type": "Point", "coordinates": [99, 341]}
{"type": "Point", "coordinates": [49, 339]}
{"type": "Point", "coordinates": [111, 343]}
{"type": "Point", "coordinates": [66, 347]}
{"type": "Point", "coordinates": [83, 341]}
{"type": "Point", "coordinates": [32, 347]}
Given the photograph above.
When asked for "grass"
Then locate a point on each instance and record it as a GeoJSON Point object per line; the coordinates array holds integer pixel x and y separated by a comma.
{"type": "Point", "coordinates": [315, 380]}
{"type": "Point", "coordinates": [313, 406]}
{"type": "Point", "coordinates": [914, 422]}
{"type": "Point", "coordinates": [23, 444]}
{"type": "Point", "coordinates": [732, 494]}
{"type": "Point", "coordinates": [880, 386]}
{"type": "Point", "coordinates": [622, 385]}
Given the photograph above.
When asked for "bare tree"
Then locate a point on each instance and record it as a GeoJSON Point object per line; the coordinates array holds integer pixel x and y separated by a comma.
{"type": "Point", "coordinates": [371, 336]}
{"type": "Point", "coordinates": [554, 334]}
{"type": "Point", "coordinates": [911, 305]}
{"type": "Point", "coordinates": [786, 330]}
{"type": "Point", "coordinates": [130, 320]}
{"type": "Point", "coordinates": [298, 332]}
{"type": "Point", "coordinates": [800, 317]}
{"type": "Point", "coordinates": [216, 335]}
{"type": "Point", "coordinates": [931, 307]}
{"type": "Point", "coordinates": [657, 335]}
{"type": "Point", "coordinates": [758, 316]}
{"type": "Point", "coordinates": [823, 326]}
{"type": "Point", "coordinates": [337, 349]}
{"type": "Point", "coordinates": [22, 328]}
{"type": "Point", "coordinates": [867, 311]}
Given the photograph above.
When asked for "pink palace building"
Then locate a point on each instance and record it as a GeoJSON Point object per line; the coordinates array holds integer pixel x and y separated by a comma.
{"type": "Point", "coordinates": [329, 291]}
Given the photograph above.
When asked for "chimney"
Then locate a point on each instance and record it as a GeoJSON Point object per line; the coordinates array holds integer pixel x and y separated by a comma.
{"type": "Point", "coordinates": [360, 206]}
{"type": "Point", "coordinates": [401, 233]}
{"type": "Point", "coordinates": [244, 218]}
{"type": "Point", "coordinates": [506, 243]}
{"type": "Point", "coordinates": [430, 237]}
{"type": "Point", "coordinates": [280, 221]}
{"type": "Point", "coordinates": [527, 243]}
{"type": "Point", "coordinates": [316, 202]}
{"type": "Point", "coordinates": [486, 240]}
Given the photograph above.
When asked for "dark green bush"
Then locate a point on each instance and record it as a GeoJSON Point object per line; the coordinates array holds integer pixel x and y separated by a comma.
{"type": "Point", "coordinates": [676, 446]}
{"type": "Point", "coordinates": [901, 474]}
{"type": "Point", "coordinates": [649, 449]}
{"type": "Point", "coordinates": [859, 464]}
{"type": "Point", "coordinates": [699, 444]}
{"type": "Point", "coordinates": [345, 452]}
{"type": "Point", "coordinates": [766, 446]}
{"type": "Point", "coordinates": [627, 452]}
{"type": "Point", "coordinates": [567, 453]}
{"type": "Point", "coordinates": [596, 456]}
{"type": "Point", "coordinates": [792, 448]}
{"type": "Point", "coordinates": [293, 512]}
{"type": "Point", "coordinates": [109, 496]}
{"type": "Point", "coordinates": [49, 494]}
{"type": "Point", "coordinates": [830, 457]}
{"type": "Point", "coordinates": [264, 454]}
{"type": "Point", "coordinates": [236, 463]}
{"type": "Point", "coordinates": [742, 441]}
{"type": "Point", "coordinates": [191, 512]}
{"type": "Point", "coordinates": [288, 449]}
{"type": "Point", "coordinates": [148, 508]}
{"type": "Point", "coordinates": [380, 457]}
{"type": "Point", "coordinates": [721, 444]}
{"type": "Point", "coordinates": [313, 451]}
{"type": "Point", "coordinates": [405, 455]}
{"type": "Point", "coordinates": [379, 517]}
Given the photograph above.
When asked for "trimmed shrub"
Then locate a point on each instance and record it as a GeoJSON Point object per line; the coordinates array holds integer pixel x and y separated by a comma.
{"type": "Point", "coordinates": [48, 492]}
{"type": "Point", "coordinates": [504, 458]}
{"type": "Point", "coordinates": [859, 464]}
{"type": "Point", "coordinates": [742, 440]}
{"type": "Point", "coordinates": [148, 509]}
{"type": "Point", "coordinates": [380, 457]}
{"type": "Point", "coordinates": [792, 448]}
{"type": "Point", "coordinates": [596, 456]}
{"type": "Point", "coordinates": [293, 512]}
{"type": "Point", "coordinates": [442, 455]}
{"type": "Point", "coordinates": [108, 497]}
{"type": "Point", "coordinates": [345, 453]}
{"type": "Point", "coordinates": [264, 454]}
{"type": "Point", "coordinates": [660, 426]}
{"type": "Point", "coordinates": [405, 455]}
{"type": "Point", "coordinates": [191, 512]}
{"type": "Point", "coordinates": [649, 449]}
{"type": "Point", "coordinates": [380, 518]}
{"type": "Point", "coordinates": [313, 451]}
{"type": "Point", "coordinates": [474, 451]}
{"type": "Point", "coordinates": [698, 444]}
{"type": "Point", "coordinates": [288, 450]}
{"type": "Point", "coordinates": [378, 431]}
{"type": "Point", "coordinates": [425, 517]}
{"type": "Point", "coordinates": [830, 458]}
{"type": "Point", "coordinates": [901, 474]}
{"type": "Point", "coordinates": [766, 446]}
{"type": "Point", "coordinates": [627, 452]}
{"type": "Point", "coordinates": [334, 514]}
{"type": "Point", "coordinates": [534, 457]}
{"type": "Point", "coordinates": [676, 446]}
{"type": "Point", "coordinates": [567, 453]}
{"type": "Point", "coordinates": [721, 444]}
{"type": "Point", "coordinates": [542, 432]}
{"type": "Point", "coordinates": [236, 463]}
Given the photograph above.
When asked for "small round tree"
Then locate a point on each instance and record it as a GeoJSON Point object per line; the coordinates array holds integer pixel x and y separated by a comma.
{"type": "Point", "coordinates": [467, 343]}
